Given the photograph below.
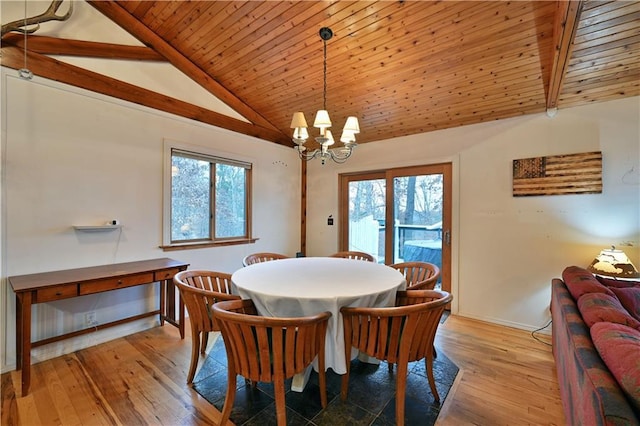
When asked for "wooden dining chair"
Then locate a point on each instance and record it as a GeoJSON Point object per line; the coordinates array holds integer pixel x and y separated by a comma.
{"type": "Point", "coordinates": [356, 255]}
{"type": "Point", "coordinates": [262, 257]}
{"type": "Point", "coordinates": [199, 290]}
{"type": "Point", "coordinates": [419, 275]}
{"type": "Point", "coordinates": [269, 349]}
{"type": "Point", "coordinates": [400, 334]}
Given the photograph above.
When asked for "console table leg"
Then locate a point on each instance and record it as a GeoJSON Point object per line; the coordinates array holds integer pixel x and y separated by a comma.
{"type": "Point", "coordinates": [25, 325]}
{"type": "Point", "coordinates": [18, 331]}
{"type": "Point", "coordinates": [163, 303]}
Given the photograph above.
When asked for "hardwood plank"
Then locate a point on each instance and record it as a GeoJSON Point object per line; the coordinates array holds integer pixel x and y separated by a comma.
{"type": "Point", "coordinates": [9, 400]}
{"type": "Point", "coordinates": [603, 47]}
{"type": "Point", "coordinates": [572, 100]}
{"type": "Point", "coordinates": [629, 52]}
{"type": "Point", "coordinates": [27, 409]}
{"type": "Point", "coordinates": [630, 75]}
{"type": "Point", "coordinates": [624, 29]}
{"type": "Point", "coordinates": [61, 407]}
{"type": "Point", "coordinates": [583, 34]}
{"type": "Point", "coordinates": [86, 400]}
{"type": "Point", "coordinates": [118, 382]}
{"type": "Point", "coordinates": [280, 33]}
{"type": "Point", "coordinates": [223, 37]}
{"type": "Point", "coordinates": [195, 37]}
{"type": "Point", "coordinates": [139, 7]}
{"type": "Point", "coordinates": [620, 9]}
{"type": "Point", "coordinates": [161, 14]}
{"type": "Point", "coordinates": [299, 63]}
{"type": "Point", "coordinates": [629, 83]}
{"type": "Point", "coordinates": [622, 62]}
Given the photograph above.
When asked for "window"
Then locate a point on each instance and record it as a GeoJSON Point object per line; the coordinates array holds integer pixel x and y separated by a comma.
{"type": "Point", "coordinates": [208, 200]}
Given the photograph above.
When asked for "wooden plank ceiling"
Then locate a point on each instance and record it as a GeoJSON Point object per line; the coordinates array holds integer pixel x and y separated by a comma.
{"type": "Point", "coordinates": [401, 67]}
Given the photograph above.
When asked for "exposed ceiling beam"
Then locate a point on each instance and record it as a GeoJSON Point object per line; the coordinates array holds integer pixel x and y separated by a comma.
{"type": "Point", "coordinates": [61, 46]}
{"type": "Point", "coordinates": [564, 32]}
{"type": "Point", "coordinates": [120, 16]}
{"type": "Point", "coordinates": [53, 69]}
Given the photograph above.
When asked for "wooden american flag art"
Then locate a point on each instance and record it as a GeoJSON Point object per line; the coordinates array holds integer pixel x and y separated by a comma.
{"type": "Point", "coordinates": [558, 175]}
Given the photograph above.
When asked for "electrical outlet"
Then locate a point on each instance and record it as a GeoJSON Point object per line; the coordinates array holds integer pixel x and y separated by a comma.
{"type": "Point", "coordinates": [90, 319]}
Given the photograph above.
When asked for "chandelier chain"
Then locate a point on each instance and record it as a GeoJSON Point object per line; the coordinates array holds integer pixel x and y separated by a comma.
{"type": "Point", "coordinates": [324, 95]}
{"type": "Point", "coordinates": [25, 34]}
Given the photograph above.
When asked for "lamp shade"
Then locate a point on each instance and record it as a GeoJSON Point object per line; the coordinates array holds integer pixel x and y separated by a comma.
{"type": "Point", "coordinates": [347, 137]}
{"type": "Point", "coordinates": [300, 133]}
{"type": "Point", "coordinates": [613, 263]}
{"type": "Point", "coordinates": [352, 125]}
{"type": "Point", "coordinates": [298, 120]}
{"type": "Point", "coordinates": [322, 120]}
{"type": "Point", "coordinates": [329, 136]}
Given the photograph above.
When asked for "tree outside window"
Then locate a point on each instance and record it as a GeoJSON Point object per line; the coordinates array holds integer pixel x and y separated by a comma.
{"type": "Point", "coordinates": [209, 198]}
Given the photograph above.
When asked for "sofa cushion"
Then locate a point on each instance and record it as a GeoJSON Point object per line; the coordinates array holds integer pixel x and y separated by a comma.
{"type": "Point", "coordinates": [590, 394]}
{"type": "Point", "coordinates": [629, 298]}
{"type": "Point", "coordinates": [579, 281]}
{"type": "Point", "coordinates": [619, 348]}
{"type": "Point", "coordinates": [599, 307]}
{"type": "Point", "coordinates": [611, 282]}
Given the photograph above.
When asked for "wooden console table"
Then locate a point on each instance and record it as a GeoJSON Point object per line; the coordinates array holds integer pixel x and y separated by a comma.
{"type": "Point", "coordinates": [57, 285]}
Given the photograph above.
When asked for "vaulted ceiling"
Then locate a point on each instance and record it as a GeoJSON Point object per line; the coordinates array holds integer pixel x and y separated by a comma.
{"type": "Point", "coordinates": [401, 67]}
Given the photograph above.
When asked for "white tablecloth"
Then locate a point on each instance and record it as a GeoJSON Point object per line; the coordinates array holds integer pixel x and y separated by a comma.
{"type": "Point", "coordinates": [309, 285]}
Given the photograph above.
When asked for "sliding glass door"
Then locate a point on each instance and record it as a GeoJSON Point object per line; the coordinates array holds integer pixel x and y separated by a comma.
{"type": "Point", "coordinates": [363, 209]}
{"type": "Point", "coordinates": [399, 215]}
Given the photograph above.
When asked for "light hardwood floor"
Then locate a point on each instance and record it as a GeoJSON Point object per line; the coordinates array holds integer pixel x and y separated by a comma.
{"type": "Point", "coordinates": [506, 378]}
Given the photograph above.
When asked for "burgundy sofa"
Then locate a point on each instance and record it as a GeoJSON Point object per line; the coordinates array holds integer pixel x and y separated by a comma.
{"type": "Point", "coordinates": [596, 346]}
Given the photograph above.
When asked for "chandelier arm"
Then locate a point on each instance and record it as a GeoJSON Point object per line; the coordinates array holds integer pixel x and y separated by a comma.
{"type": "Point", "coordinates": [310, 155]}
{"type": "Point", "coordinates": [340, 158]}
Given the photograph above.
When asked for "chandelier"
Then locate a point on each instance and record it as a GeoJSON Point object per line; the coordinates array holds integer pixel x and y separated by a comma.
{"type": "Point", "coordinates": [322, 122]}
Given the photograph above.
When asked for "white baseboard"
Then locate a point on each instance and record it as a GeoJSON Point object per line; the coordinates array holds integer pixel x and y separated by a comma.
{"type": "Point", "coordinates": [511, 324]}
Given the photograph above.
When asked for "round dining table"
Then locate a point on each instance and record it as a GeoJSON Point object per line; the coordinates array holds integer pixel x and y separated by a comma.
{"type": "Point", "coordinates": [309, 285]}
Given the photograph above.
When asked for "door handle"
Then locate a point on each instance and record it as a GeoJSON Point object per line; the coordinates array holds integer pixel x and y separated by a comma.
{"type": "Point", "coordinates": [447, 237]}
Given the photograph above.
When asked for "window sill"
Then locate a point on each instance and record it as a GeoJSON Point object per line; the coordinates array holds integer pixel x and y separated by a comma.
{"type": "Point", "coordinates": [192, 246]}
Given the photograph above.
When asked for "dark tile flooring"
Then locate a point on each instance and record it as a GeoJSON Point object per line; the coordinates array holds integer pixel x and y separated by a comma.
{"type": "Point", "coordinates": [371, 398]}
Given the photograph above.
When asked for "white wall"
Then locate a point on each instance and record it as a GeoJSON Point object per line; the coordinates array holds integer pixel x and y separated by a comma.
{"type": "Point", "coordinates": [507, 249]}
{"type": "Point", "coordinates": [71, 157]}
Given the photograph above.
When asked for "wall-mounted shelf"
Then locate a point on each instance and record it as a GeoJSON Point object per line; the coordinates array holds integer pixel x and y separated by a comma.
{"type": "Point", "coordinates": [98, 228]}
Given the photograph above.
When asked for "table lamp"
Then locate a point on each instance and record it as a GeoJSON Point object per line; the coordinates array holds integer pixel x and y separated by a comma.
{"type": "Point", "coordinates": [613, 263]}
